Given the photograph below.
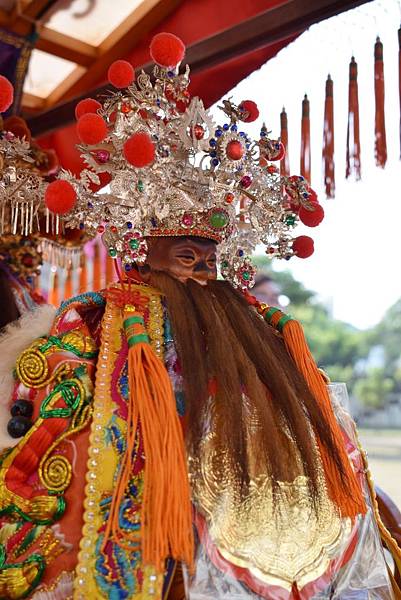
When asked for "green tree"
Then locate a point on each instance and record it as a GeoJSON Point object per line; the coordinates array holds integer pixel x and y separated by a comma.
{"type": "Point", "coordinates": [368, 361]}
{"type": "Point", "coordinates": [373, 389]}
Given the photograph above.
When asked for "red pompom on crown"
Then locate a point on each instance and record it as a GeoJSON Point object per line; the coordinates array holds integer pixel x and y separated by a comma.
{"type": "Point", "coordinates": [91, 129]}
{"type": "Point", "coordinates": [6, 93]}
{"type": "Point", "coordinates": [303, 246]}
{"type": "Point", "coordinates": [167, 50]}
{"type": "Point", "coordinates": [85, 106]}
{"type": "Point", "coordinates": [311, 217]}
{"type": "Point", "coordinates": [251, 108]}
{"type": "Point", "coordinates": [60, 197]}
{"type": "Point", "coordinates": [139, 150]}
{"type": "Point", "coordinates": [121, 74]}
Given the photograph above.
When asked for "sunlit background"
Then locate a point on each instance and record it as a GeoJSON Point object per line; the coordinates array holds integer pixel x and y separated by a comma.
{"type": "Point", "coordinates": [357, 247]}
{"type": "Point", "coordinates": [355, 269]}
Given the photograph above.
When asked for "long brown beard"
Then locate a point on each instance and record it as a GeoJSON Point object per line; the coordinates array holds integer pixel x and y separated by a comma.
{"type": "Point", "coordinates": [219, 337]}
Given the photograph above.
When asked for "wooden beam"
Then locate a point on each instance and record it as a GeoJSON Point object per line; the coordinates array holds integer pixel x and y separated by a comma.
{"type": "Point", "coordinates": [23, 22]}
{"type": "Point", "coordinates": [138, 15]}
{"type": "Point", "coordinates": [5, 18]}
{"type": "Point", "coordinates": [158, 10]}
{"type": "Point", "coordinates": [273, 25]}
{"type": "Point", "coordinates": [32, 102]}
{"type": "Point", "coordinates": [60, 90]}
{"type": "Point", "coordinates": [66, 47]}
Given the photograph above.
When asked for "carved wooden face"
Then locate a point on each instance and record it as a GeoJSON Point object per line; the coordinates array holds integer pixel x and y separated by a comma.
{"type": "Point", "coordinates": [183, 258]}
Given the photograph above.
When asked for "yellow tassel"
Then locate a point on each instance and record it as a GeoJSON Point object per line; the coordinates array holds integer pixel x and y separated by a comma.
{"type": "Point", "coordinates": [166, 523]}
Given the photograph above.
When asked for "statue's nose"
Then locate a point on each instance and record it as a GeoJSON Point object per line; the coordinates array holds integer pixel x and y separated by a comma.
{"type": "Point", "coordinates": [202, 272]}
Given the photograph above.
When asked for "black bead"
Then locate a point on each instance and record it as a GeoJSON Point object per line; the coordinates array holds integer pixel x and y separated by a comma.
{"type": "Point", "coordinates": [18, 426]}
{"type": "Point", "coordinates": [22, 408]}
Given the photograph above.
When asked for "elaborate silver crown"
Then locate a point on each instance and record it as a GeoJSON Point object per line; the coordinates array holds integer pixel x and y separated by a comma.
{"type": "Point", "coordinates": [174, 172]}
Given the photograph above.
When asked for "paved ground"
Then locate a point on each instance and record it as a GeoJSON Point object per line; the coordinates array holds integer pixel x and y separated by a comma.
{"type": "Point", "coordinates": [384, 454]}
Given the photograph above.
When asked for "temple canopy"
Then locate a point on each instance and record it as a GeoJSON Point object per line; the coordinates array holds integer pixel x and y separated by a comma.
{"type": "Point", "coordinates": [76, 41]}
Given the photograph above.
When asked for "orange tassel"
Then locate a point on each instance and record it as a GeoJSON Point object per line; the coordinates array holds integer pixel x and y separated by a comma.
{"type": "Point", "coordinates": [54, 289]}
{"type": "Point", "coordinates": [166, 507]}
{"type": "Point", "coordinates": [83, 281]}
{"type": "Point", "coordinates": [110, 271]}
{"type": "Point", "coordinates": [328, 140]}
{"type": "Point", "coordinates": [350, 504]}
{"type": "Point", "coordinates": [380, 121]}
{"type": "Point", "coordinates": [305, 141]}
{"type": "Point", "coordinates": [285, 162]}
{"type": "Point", "coordinates": [68, 285]}
{"type": "Point", "coordinates": [353, 138]}
{"type": "Point", "coordinates": [353, 503]}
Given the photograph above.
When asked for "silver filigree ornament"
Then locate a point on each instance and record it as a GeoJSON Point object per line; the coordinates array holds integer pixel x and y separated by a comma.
{"type": "Point", "coordinates": [21, 187]}
{"type": "Point", "coordinates": [206, 180]}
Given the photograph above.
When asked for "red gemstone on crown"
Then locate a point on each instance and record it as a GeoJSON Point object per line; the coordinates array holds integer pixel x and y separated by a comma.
{"type": "Point", "coordinates": [198, 132]}
{"type": "Point", "coordinates": [235, 150]}
{"type": "Point", "coordinates": [187, 220]}
{"type": "Point", "coordinates": [246, 181]}
{"type": "Point", "coordinates": [102, 156]}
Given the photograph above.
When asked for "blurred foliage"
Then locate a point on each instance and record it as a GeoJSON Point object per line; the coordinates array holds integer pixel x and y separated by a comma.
{"type": "Point", "coordinates": [368, 361]}
{"type": "Point", "coordinates": [374, 387]}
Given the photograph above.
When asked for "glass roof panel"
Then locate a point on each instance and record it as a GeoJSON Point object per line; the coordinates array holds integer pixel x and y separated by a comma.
{"type": "Point", "coordinates": [90, 21]}
{"type": "Point", "coordinates": [45, 73]}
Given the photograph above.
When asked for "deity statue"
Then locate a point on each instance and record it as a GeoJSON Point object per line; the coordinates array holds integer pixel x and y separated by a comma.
{"type": "Point", "coordinates": [181, 442]}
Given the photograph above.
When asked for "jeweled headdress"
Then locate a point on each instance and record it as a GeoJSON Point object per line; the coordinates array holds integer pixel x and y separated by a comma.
{"type": "Point", "coordinates": [174, 172]}
{"type": "Point", "coordinates": [29, 233]}
{"type": "Point", "coordinates": [23, 168]}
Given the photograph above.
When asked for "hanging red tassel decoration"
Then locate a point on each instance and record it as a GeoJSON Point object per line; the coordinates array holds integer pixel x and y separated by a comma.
{"type": "Point", "coordinates": [328, 140]}
{"type": "Point", "coordinates": [305, 141]}
{"type": "Point", "coordinates": [285, 162]}
{"type": "Point", "coordinates": [380, 121]}
{"type": "Point", "coordinates": [353, 139]}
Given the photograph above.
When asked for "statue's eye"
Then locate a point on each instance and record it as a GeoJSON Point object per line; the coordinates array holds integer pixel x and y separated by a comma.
{"type": "Point", "coordinates": [186, 256]}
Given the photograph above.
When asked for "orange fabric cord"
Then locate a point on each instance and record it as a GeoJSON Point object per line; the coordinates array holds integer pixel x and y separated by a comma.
{"type": "Point", "coordinates": [305, 140]}
{"type": "Point", "coordinates": [380, 121]}
{"type": "Point", "coordinates": [353, 138]}
{"type": "Point", "coordinates": [68, 285]}
{"type": "Point", "coordinates": [54, 290]}
{"type": "Point", "coordinates": [166, 529]}
{"type": "Point", "coordinates": [285, 162]}
{"type": "Point", "coordinates": [110, 271]}
{"type": "Point", "coordinates": [328, 140]}
{"type": "Point", "coordinates": [352, 503]}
